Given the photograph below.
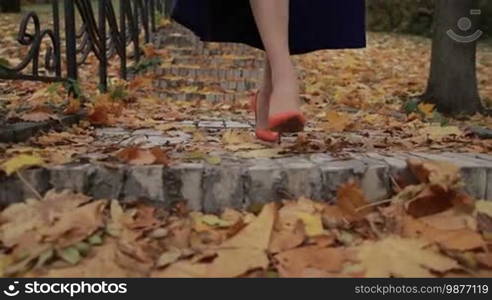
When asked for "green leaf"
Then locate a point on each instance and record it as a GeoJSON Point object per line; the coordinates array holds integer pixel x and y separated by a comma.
{"type": "Point", "coordinates": [71, 255]}
{"type": "Point", "coordinates": [411, 106]}
{"type": "Point", "coordinates": [44, 257]}
{"type": "Point", "coordinates": [84, 248]}
{"type": "Point", "coordinates": [95, 239]}
{"type": "Point", "coordinates": [4, 63]}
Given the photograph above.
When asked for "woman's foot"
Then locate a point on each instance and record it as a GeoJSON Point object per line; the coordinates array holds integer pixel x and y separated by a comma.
{"type": "Point", "coordinates": [284, 112]}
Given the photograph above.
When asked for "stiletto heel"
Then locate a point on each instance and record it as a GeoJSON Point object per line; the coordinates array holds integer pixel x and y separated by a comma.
{"type": "Point", "coordinates": [262, 134]}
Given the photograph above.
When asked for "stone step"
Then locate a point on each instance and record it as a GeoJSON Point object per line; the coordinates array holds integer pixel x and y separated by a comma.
{"type": "Point", "coordinates": [224, 85]}
{"type": "Point", "coordinates": [200, 96]}
{"type": "Point", "coordinates": [247, 62]}
{"type": "Point", "coordinates": [240, 183]}
{"type": "Point", "coordinates": [204, 50]}
{"type": "Point", "coordinates": [217, 74]}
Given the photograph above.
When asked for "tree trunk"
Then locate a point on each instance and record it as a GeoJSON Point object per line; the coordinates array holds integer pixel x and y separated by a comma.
{"type": "Point", "coordinates": [10, 6]}
{"type": "Point", "coordinates": [452, 85]}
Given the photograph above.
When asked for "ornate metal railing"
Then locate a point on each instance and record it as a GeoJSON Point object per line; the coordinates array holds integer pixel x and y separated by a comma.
{"type": "Point", "coordinates": [104, 31]}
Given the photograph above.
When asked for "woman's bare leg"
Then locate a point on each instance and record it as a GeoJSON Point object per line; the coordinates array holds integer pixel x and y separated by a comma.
{"type": "Point", "coordinates": [272, 19]}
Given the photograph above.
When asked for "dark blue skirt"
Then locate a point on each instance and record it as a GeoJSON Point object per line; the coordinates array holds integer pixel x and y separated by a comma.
{"type": "Point", "coordinates": [314, 24]}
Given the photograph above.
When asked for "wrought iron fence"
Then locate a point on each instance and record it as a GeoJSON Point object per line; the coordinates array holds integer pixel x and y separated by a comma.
{"type": "Point", "coordinates": [90, 26]}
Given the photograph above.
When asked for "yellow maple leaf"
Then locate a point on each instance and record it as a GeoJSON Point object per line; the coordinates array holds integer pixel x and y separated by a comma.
{"type": "Point", "coordinates": [313, 224]}
{"type": "Point", "coordinates": [427, 109]}
{"type": "Point", "coordinates": [20, 162]}
{"type": "Point", "coordinates": [337, 121]}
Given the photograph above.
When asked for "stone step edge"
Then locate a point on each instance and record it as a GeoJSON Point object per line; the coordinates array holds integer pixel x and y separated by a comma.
{"type": "Point", "coordinates": [240, 184]}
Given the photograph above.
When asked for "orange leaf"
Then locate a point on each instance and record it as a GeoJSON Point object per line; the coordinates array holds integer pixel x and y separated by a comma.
{"type": "Point", "coordinates": [351, 200]}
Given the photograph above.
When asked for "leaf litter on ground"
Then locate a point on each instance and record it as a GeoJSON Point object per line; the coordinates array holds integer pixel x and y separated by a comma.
{"type": "Point", "coordinates": [66, 234]}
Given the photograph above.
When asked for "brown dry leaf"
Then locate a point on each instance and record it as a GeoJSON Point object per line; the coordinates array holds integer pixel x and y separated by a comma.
{"type": "Point", "coordinates": [352, 202]}
{"type": "Point", "coordinates": [101, 263]}
{"type": "Point", "coordinates": [298, 262]}
{"type": "Point", "coordinates": [452, 219]}
{"type": "Point", "coordinates": [461, 239]}
{"type": "Point", "coordinates": [433, 199]}
{"type": "Point", "coordinates": [483, 213]}
{"type": "Point", "coordinates": [395, 256]}
{"type": "Point", "coordinates": [255, 235]}
{"type": "Point", "coordinates": [38, 115]}
{"type": "Point", "coordinates": [141, 157]}
{"type": "Point", "coordinates": [182, 269]}
{"type": "Point", "coordinates": [333, 217]}
{"type": "Point", "coordinates": [168, 257]}
{"type": "Point", "coordinates": [235, 137]}
{"type": "Point", "coordinates": [437, 133]}
{"type": "Point", "coordinates": [439, 173]}
{"type": "Point", "coordinates": [485, 259]}
{"type": "Point", "coordinates": [31, 216]}
{"type": "Point", "coordinates": [73, 107]}
{"type": "Point", "coordinates": [287, 239]}
{"type": "Point", "coordinates": [237, 262]}
{"type": "Point", "coordinates": [100, 116]}
{"type": "Point", "coordinates": [76, 225]}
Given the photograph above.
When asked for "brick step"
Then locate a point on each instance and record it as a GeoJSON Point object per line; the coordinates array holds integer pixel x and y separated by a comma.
{"type": "Point", "coordinates": [241, 183]}
{"type": "Point", "coordinates": [219, 96]}
{"type": "Point", "coordinates": [202, 50]}
{"type": "Point", "coordinates": [165, 40]}
{"type": "Point", "coordinates": [231, 85]}
{"type": "Point", "coordinates": [209, 73]}
{"type": "Point", "coordinates": [246, 62]}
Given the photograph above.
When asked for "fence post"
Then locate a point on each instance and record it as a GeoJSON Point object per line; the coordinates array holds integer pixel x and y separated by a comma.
{"type": "Point", "coordinates": [103, 63]}
{"type": "Point", "coordinates": [70, 40]}
{"type": "Point", "coordinates": [123, 10]}
{"type": "Point", "coordinates": [136, 31]}
{"type": "Point", "coordinates": [56, 31]}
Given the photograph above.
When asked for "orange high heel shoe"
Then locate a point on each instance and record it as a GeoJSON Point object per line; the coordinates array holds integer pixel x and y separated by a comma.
{"type": "Point", "coordinates": [287, 122]}
{"type": "Point", "coordinates": [262, 134]}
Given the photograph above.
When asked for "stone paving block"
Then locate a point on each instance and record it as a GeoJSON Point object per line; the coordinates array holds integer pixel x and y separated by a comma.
{"type": "Point", "coordinates": [335, 172]}
{"type": "Point", "coordinates": [375, 181]}
{"type": "Point", "coordinates": [223, 186]}
{"type": "Point", "coordinates": [12, 189]}
{"type": "Point", "coordinates": [106, 182]}
{"type": "Point", "coordinates": [211, 124]}
{"type": "Point", "coordinates": [147, 132]}
{"type": "Point", "coordinates": [472, 172]}
{"type": "Point", "coordinates": [264, 181]}
{"type": "Point", "coordinates": [184, 183]}
{"type": "Point", "coordinates": [145, 182]}
{"type": "Point", "coordinates": [477, 169]}
{"type": "Point", "coordinates": [76, 178]}
{"type": "Point", "coordinates": [398, 169]}
{"type": "Point", "coordinates": [303, 178]}
{"type": "Point", "coordinates": [112, 131]}
{"type": "Point", "coordinates": [237, 125]}
{"type": "Point", "coordinates": [486, 162]}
